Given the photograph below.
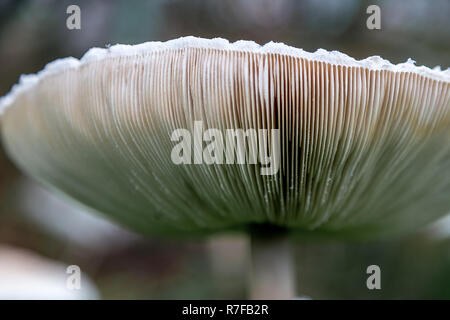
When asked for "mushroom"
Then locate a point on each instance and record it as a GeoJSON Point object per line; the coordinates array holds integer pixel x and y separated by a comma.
{"type": "Point", "coordinates": [363, 146]}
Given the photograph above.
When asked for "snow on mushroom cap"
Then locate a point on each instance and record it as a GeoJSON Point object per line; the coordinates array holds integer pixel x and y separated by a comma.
{"type": "Point", "coordinates": [364, 145]}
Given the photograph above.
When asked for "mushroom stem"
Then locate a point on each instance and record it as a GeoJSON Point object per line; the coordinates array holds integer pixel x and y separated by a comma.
{"type": "Point", "coordinates": [271, 268]}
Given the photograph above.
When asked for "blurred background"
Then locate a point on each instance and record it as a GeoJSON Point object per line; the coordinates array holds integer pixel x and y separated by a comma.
{"type": "Point", "coordinates": [41, 235]}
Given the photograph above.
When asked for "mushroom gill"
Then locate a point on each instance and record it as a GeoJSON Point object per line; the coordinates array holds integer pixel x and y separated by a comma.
{"type": "Point", "coordinates": [364, 146]}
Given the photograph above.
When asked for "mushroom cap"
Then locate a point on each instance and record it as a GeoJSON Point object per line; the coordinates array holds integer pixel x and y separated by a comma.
{"type": "Point", "coordinates": [364, 146]}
